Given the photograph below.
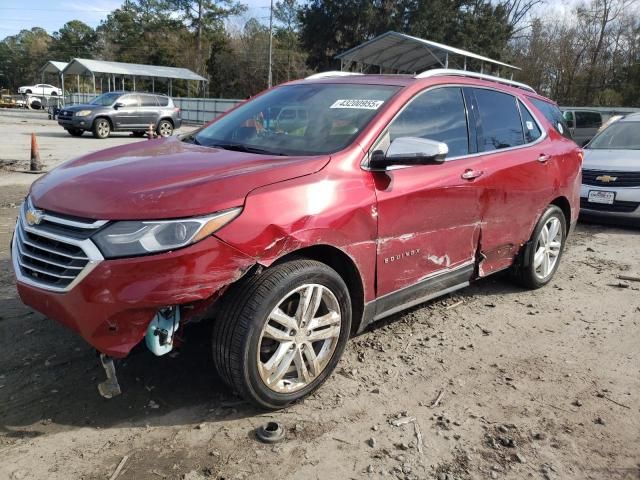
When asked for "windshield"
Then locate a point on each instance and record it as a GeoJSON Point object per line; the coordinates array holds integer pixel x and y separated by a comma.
{"type": "Point", "coordinates": [618, 136]}
{"type": "Point", "coordinates": [311, 119]}
{"type": "Point", "coordinates": [105, 99]}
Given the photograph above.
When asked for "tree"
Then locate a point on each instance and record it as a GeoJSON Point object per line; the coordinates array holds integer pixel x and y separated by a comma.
{"type": "Point", "coordinates": [329, 27]}
{"type": "Point", "coordinates": [22, 55]}
{"type": "Point", "coordinates": [206, 17]}
{"type": "Point", "coordinates": [286, 14]}
{"type": "Point", "coordinates": [74, 40]}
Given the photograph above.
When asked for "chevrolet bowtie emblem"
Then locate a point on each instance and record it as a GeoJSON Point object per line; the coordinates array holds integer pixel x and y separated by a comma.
{"type": "Point", "coordinates": [33, 216]}
{"type": "Point", "coordinates": [606, 178]}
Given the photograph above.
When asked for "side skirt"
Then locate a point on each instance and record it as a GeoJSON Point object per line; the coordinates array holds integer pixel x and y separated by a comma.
{"type": "Point", "coordinates": [423, 291]}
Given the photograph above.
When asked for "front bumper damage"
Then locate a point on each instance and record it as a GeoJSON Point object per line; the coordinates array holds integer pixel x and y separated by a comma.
{"type": "Point", "coordinates": [112, 307]}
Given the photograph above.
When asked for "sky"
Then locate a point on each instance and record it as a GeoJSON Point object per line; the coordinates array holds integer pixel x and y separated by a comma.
{"type": "Point", "coordinates": [53, 14]}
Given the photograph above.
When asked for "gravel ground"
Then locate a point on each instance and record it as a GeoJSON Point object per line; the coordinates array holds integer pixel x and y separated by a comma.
{"type": "Point", "coordinates": [528, 384]}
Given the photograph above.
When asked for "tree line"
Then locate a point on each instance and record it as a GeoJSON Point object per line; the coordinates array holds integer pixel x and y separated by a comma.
{"type": "Point", "coordinates": [588, 55]}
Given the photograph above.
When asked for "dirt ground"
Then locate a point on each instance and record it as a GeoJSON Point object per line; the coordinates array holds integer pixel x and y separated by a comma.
{"type": "Point", "coordinates": [54, 143]}
{"type": "Point", "coordinates": [541, 385]}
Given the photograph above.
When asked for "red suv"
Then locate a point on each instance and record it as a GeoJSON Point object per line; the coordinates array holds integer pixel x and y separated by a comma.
{"type": "Point", "coordinates": [299, 218]}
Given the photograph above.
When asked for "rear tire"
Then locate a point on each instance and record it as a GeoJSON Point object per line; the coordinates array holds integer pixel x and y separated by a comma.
{"type": "Point", "coordinates": [541, 260]}
{"type": "Point", "coordinates": [101, 128]}
{"type": "Point", "coordinates": [165, 128]}
{"type": "Point", "coordinates": [280, 334]}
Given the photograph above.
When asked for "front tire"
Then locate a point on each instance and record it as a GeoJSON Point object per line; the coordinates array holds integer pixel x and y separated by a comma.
{"type": "Point", "coordinates": [101, 128]}
{"type": "Point", "coordinates": [280, 334]}
{"type": "Point", "coordinates": [543, 257]}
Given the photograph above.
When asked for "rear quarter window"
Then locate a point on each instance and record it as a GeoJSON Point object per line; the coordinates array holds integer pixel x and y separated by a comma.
{"type": "Point", "coordinates": [163, 101]}
{"type": "Point", "coordinates": [553, 114]}
{"type": "Point", "coordinates": [531, 129]}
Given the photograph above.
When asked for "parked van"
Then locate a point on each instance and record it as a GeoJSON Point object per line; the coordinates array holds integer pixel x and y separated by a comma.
{"type": "Point", "coordinates": [585, 122]}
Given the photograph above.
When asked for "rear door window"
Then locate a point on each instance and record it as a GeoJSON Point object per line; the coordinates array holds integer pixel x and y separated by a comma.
{"type": "Point", "coordinates": [500, 123]}
{"type": "Point", "coordinates": [130, 101]}
{"type": "Point", "coordinates": [531, 129]}
{"type": "Point", "coordinates": [437, 114]}
{"type": "Point", "coordinates": [588, 120]}
{"type": "Point", "coordinates": [148, 101]}
{"type": "Point", "coordinates": [552, 113]}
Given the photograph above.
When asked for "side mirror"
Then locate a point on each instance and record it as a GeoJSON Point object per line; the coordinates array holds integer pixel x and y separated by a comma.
{"type": "Point", "coordinates": [409, 151]}
{"type": "Point", "coordinates": [569, 123]}
{"type": "Point", "coordinates": [118, 105]}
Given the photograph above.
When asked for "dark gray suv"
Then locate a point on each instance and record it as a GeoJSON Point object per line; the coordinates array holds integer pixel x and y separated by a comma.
{"type": "Point", "coordinates": [122, 111]}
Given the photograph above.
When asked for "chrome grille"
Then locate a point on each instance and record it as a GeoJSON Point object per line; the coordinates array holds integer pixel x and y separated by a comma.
{"type": "Point", "coordinates": [611, 178]}
{"type": "Point", "coordinates": [56, 253]}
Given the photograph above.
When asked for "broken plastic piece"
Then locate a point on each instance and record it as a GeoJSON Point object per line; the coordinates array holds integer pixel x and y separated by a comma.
{"type": "Point", "coordinates": [110, 387]}
{"type": "Point", "coordinates": [271, 432]}
{"type": "Point", "coordinates": [159, 337]}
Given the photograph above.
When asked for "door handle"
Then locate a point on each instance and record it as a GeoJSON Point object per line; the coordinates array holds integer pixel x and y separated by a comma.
{"type": "Point", "coordinates": [544, 158]}
{"type": "Point", "coordinates": [469, 174]}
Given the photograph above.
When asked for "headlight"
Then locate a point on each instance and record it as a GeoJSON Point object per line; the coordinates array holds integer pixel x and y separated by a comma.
{"type": "Point", "coordinates": [130, 238]}
{"type": "Point", "coordinates": [83, 113]}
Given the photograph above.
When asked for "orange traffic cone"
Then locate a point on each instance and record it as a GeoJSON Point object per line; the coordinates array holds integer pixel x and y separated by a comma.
{"type": "Point", "coordinates": [35, 165]}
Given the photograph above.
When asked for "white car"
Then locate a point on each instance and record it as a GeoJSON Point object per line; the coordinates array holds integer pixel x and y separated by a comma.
{"type": "Point", "coordinates": [611, 172]}
{"type": "Point", "coordinates": [41, 89]}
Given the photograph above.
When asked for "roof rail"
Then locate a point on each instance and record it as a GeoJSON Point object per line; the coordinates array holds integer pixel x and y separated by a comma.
{"type": "Point", "coordinates": [334, 73]}
{"type": "Point", "coordinates": [439, 72]}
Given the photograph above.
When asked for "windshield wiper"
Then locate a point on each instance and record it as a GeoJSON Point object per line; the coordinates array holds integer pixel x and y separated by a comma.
{"type": "Point", "coordinates": [239, 147]}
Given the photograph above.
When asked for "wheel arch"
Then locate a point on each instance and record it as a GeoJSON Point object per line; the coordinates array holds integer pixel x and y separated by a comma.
{"type": "Point", "coordinates": [98, 117]}
{"type": "Point", "coordinates": [168, 119]}
{"type": "Point", "coordinates": [344, 265]}
{"type": "Point", "coordinates": [563, 204]}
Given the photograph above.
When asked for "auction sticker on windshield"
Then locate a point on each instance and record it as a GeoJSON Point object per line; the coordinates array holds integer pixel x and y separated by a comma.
{"type": "Point", "coordinates": [598, 196]}
{"type": "Point", "coordinates": [358, 103]}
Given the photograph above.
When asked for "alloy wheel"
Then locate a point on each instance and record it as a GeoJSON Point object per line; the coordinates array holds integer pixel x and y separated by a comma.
{"type": "Point", "coordinates": [103, 128]}
{"type": "Point", "coordinates": [548, 248]}
{"type": "Point", "coordinates": [165, 129]}
{"type": "Point", "coordinates": [299, 338]}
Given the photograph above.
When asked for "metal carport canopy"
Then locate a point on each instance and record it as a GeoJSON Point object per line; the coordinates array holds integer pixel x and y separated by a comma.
{"type": "Point", "coordinates": [53, 67]}
{"type": "Point", "coordinates": [81, 66]}
{"type": "Point", "coordinates": [404, 53]}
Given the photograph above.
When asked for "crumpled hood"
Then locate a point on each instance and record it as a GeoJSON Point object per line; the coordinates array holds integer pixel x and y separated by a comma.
{"type": "Point", "coordinates": [160, 179]}
{"type": "Point", "coordinates": [611, 160]}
